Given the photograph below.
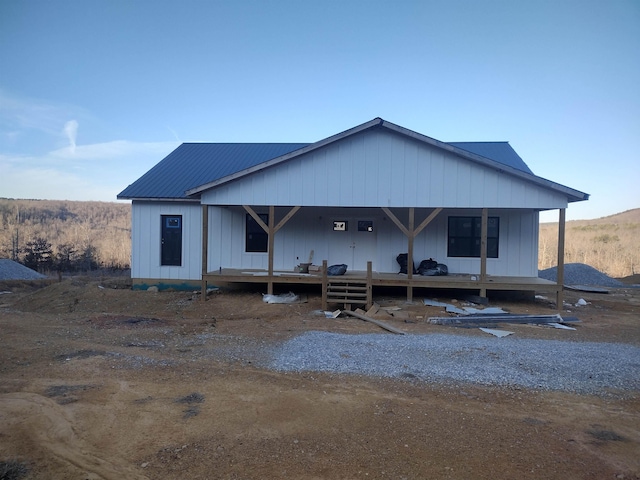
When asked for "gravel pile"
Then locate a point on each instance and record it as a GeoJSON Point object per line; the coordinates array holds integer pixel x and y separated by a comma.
{"type": "Point", "coordinates": [591, 368]}
{"type": "Point", "coordinates": [10, 270]}
{"type": "Point", "coordinates": [580, 274]}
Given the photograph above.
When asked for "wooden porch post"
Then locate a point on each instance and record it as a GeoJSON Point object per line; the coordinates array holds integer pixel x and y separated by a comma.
{"type": "Point", "coordinates": [411, 234]}
{"type": "Point", "coordinates": [561, 236]}
{"type": "Point", "coordinates": [484, 227]}
{"type": "Point", "coordinates": [205, 250]}
{"type": "Point", "coordinates": [272, 234]}
{"type": "Point", "coordinates": [325, 282]}
{"type": "Point", "coordinates": [271, 230]}
{"type": "Point", "coordinates": [369, 287]}
{"type": "Point", "coordinates": [410, 267]}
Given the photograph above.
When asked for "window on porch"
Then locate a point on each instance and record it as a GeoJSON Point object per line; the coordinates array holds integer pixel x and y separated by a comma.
{"type": "Point", "coordinates": [257, 240]}
{"type": "Point", "coordinates": [465, 236]}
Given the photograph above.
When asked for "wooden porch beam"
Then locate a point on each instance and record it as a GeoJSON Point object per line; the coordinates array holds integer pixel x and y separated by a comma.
{"type": "Point", "coordinates": [256, 217]}
{"type": "Point", "coordinates": [427, 220]}
{"type": "Point", "coordinates": [286, 218]}
{"type": "Point", "coordinates": [271, 230]}
{"type": "Point", "coordinates": [411, 232]}
{"type": "Point", "coordinates": [395, 220]}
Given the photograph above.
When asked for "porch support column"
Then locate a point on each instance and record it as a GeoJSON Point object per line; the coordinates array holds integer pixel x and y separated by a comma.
{"type": "Point", "coordinates": [561, 235]}
{"type": "Point", "coordinates": [483, 251]}
{"type": "Point", "coordinates": [411, 237]}
{"type": "Point", "coordinates": [411, 234]}
{"type": "Point", "coordinates": [205, 250]}
{"type": "Point", "coordinates": [271, 230]}
{"type": "Point", "coordinates": [272, 234]}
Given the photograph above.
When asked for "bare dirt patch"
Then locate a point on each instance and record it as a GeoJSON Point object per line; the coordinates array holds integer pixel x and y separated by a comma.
{"type": "Point", "coordinates": [102, 382]}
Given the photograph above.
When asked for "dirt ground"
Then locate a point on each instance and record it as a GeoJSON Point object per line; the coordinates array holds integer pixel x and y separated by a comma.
{"type": "Point", "coordinates": [101, 382]}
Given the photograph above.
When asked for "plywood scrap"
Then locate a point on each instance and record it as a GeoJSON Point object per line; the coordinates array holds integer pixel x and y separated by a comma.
{"type": "Point", "coordinates": [364, 317]}
{"type": "Point", "coordinates": [400, 315]}
{"type": "Point", "coordinates": [496, 333]}
{"type": "Point", "coordinates": [373, 310]}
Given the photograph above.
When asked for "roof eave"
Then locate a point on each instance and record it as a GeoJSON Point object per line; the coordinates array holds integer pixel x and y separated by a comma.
{"type": "Point", "coordinates": [159, 199]}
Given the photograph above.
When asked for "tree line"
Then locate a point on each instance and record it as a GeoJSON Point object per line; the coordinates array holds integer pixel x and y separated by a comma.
{"type": "Point", "coordinates": [65, 236]}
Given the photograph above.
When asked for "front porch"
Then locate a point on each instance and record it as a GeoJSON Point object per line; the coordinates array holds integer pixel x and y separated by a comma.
{"type": "Point", "coordinates": [478, 282]}
{"type": "Point", "coordinates": [474, 283]}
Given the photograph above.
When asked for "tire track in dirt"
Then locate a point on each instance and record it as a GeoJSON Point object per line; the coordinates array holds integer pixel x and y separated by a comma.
{"type": "Point", "coordinates": [44, 423]}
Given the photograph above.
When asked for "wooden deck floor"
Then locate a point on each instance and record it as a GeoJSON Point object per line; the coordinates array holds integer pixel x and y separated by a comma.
{"type": "Point", "coordinates": [452, 281]}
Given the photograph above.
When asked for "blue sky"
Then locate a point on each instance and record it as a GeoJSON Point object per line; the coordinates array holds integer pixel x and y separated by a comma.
{"type": "Point", "coordinates": [94, 93]}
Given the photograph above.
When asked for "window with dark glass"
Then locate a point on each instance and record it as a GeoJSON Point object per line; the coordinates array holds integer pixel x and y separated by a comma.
{"type": "Point", "coordinates": [171, 240]}
{"type": "Point", "coordinates": [257, 240]}
{"type": "Point", "coordinates": [465, 236]}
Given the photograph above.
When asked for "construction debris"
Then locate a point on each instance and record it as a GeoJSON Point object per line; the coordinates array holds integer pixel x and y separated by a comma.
{"type": "Point", "coordinates": [585, 288]}
{"type": "Point", "coordinates": [496, 333]}
{"type": "Point", "coordinates": [560, 326]}
{"type": "Point", "coordinates": [464, 310]}
{"type": "Point", "coordinates": [284, 298]}
{"type": "Point", "coordinates": [360, 314]}
{"type": "Point", "coordinates": [502, 318]}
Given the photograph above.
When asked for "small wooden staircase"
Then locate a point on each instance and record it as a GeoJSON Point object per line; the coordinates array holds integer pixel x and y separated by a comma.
{"type": "Point", "coordinates": [347, 291]}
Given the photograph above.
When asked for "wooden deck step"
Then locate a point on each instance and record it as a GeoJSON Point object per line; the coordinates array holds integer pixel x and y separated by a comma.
{"type": "Point", "coordinates": [347, 292]}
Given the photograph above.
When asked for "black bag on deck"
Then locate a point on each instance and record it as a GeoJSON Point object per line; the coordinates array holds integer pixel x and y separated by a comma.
{"type": "Point", "coordinates": [425, 265]}
{"type": "Point", "coordinates": [335, 270]}
{"type": "Point", "coordinates": [439, 269]}
{"type": "Point", "coordinates": [403, 260]}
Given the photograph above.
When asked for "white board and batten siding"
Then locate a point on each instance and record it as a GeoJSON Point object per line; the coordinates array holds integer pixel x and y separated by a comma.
{"type": "Point", "coordinates": [380, 168]}
{"type": "Point", "coordinates": [312, 229]}
{"type": "Point", "coordinates": [146, 238]}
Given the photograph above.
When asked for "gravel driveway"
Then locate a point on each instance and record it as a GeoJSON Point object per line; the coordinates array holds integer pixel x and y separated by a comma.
{"type": "Point", "coordinates": [594, 368]}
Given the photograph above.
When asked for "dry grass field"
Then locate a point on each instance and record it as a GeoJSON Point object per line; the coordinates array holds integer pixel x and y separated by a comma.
{"type": "Point", "coordinates": [609, 244]}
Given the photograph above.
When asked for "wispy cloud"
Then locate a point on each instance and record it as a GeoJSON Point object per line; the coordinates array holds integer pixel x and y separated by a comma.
{"type": "Point", "coordinates": [71, 131]}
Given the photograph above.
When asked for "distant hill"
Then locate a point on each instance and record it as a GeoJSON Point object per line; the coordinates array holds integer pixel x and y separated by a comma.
{"type": "Point", "coordinates": [99, 229]}
{"type": "Point", "coordinates": [628, 216]}
{"type": "Point", "coordinates": [610, 244]}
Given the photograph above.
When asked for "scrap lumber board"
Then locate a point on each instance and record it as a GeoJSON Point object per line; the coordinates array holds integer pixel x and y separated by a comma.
{"type": "Point", "coordinates": [375, 322]}
{"type": "Point", "coordinates": [502, 318]}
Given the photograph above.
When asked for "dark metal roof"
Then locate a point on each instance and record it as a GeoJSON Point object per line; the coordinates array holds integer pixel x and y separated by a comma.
{"type": "Point", "coordinates": [195, 167]}
{"type": "Point", "coordinates": [194, 164]}
{"type": "Point", "coordinates": [500, 152]}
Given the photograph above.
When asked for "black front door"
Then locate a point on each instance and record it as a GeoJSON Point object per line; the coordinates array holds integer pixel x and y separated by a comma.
{"type": "Point", "coordinates": [171, 240]}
